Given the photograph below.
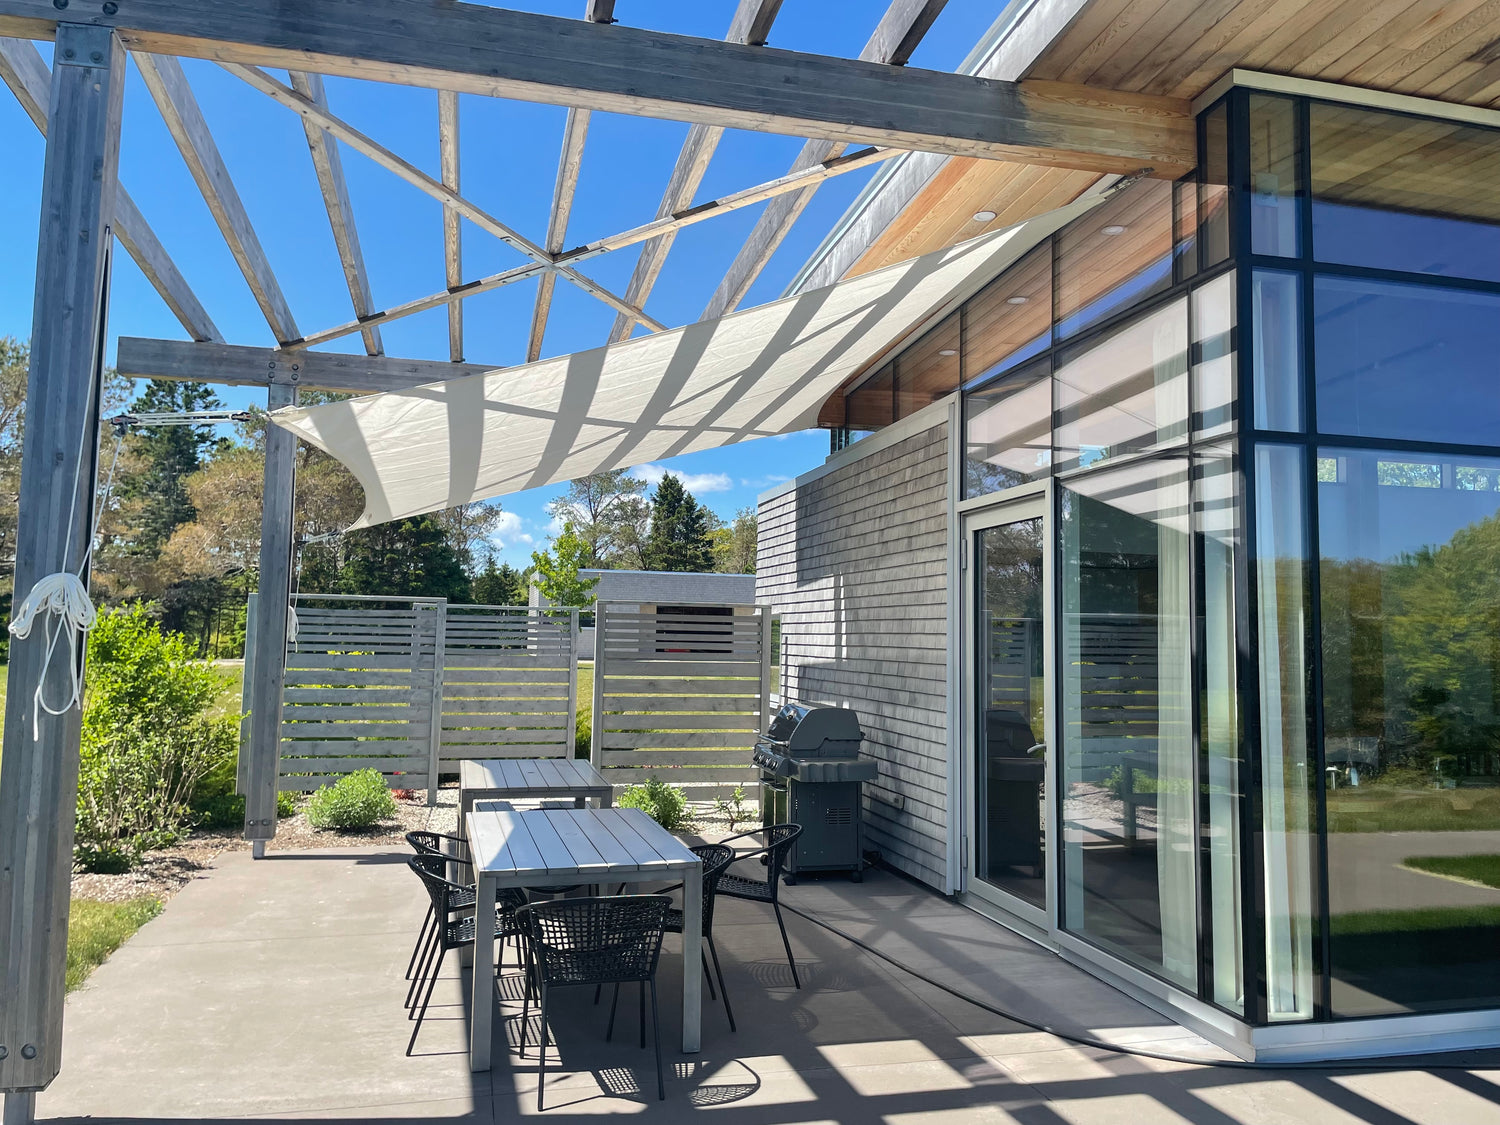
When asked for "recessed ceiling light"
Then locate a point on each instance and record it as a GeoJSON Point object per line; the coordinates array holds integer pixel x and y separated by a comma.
{"type": "Point", "coordinates": [1016, 300]}
{"type": "Point", "coordinates": [1113, 228]}
{"type": "Point", "coordinates": [948, 351]}
{"type": "Point", "coordinates": [984, 216]}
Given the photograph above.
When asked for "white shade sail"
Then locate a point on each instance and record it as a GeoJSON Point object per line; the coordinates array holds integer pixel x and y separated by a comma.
{"type": "Point", "coordinates": [757, 373]}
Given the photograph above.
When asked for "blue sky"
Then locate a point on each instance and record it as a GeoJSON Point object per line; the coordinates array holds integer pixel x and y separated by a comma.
{"type": "Point", "coordinates": [509, 155]}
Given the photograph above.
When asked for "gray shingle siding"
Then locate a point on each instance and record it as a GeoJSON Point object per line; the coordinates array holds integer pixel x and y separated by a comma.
{"type": "Point", "coordinates": [856, 564]}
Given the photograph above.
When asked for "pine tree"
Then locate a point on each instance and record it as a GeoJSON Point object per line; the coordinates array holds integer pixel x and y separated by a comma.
{"type": "Point", "coordinates": [678, 539]}
{"type": "Point", "coordinates": [170, 455]}
{"type": "Point", "coordinates": [499, 585]}
{"type": "Point", "coordinates": [404, 558]}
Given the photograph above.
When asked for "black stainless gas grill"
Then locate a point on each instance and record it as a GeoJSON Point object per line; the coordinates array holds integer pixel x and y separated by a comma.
{"type": "Point", "coordinates": [810, 775]}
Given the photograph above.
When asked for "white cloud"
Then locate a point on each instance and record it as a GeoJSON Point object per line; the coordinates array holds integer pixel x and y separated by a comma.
{"type": "Point", "coordinates": [764, 482]}
{"type": "Point", "coordinates": [510, 532]}
{"type": "Point", "coordinates": [693, 482]}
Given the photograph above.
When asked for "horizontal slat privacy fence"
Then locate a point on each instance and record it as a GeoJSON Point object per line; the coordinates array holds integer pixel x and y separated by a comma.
{"type": "Point", "coordinates": [681, 695]}
{"type": "Point", "coordinates": [510, 683]}
{"type": "Point", "coordinates": [361, 691]}
{"type": "Point", "coordinates": [406, 685]}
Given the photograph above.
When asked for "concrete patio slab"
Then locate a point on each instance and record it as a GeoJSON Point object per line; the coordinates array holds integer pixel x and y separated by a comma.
{"type": "Point", "coordinates": [272, 991]}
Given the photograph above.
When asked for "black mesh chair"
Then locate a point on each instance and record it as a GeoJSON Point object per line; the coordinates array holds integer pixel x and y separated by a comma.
{"type": "Point", "coordinates": [454, 851]}
{"type": "Point", "coordinates": [582, 941]}
{"type": "Point", "coordinates": [779, 841]}
{"type": "Point", "coordinates": [716, 860]}
{"type": "Point", "coordinates": [448, 932]}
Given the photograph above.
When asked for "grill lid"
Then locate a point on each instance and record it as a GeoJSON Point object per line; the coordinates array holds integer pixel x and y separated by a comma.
{"type": "Point", "coordinates": [812, 731]}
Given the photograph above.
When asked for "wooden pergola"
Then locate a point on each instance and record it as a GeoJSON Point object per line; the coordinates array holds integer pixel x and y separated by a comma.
{"type": "Point", "coordinates": [852, 112]}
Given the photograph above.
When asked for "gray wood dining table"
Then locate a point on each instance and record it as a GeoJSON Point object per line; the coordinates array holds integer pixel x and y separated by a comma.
{"type": "Point", "coordinates": [527, 779]}
{"type": "Point", "coordinates": [542, 847]}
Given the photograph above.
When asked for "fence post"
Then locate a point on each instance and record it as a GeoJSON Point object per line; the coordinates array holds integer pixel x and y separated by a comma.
{"type": "Point", "coordinates": [241, 759]}
{"type": "Point", "coordinates": [435, 739]}
{"type": "Point", "coordinates": [765, 668]}
{"type": "Point", "coordinates": [596, 715]}
{"type": "Point", "coordinates": [570, 733]}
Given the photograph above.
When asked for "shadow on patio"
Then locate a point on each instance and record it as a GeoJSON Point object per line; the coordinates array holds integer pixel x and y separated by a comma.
{"type": "Point", "coordinates": [273, 990]}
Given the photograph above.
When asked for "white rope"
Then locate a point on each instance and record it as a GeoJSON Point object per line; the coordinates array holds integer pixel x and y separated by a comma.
{"type": "Point", "coordinates": [62, 600]}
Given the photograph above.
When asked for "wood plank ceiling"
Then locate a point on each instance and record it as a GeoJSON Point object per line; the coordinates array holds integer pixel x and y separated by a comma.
{"type": "Point", "coordinates": [1443, 49]}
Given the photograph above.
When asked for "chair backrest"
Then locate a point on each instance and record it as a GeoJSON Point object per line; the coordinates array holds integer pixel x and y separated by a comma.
{"type": "Point", "coordinates": [716, 860]}
{"type": "Point", "coordinates": [596, 940]}
{"type": "Point", "coordinates": [779, 841]}
{"type": "Point", "coordinates": [432, 870]}
{"type": "Point", "coordinates": [432, 843]}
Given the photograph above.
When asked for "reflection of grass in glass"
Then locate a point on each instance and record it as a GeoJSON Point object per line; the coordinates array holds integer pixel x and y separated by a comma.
{"type": "Point", "coordinates": [1437, 936]}
{"type": "Point", "coordinates": [1380, 809]}
{"type": "Point", "coordinates": [1481, 869]}
{"type": "Point", "coordinates": [1427, 919]}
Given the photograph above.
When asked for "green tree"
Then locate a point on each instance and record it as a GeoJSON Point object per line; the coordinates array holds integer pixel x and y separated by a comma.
{"type": "Point", "coordinates": [165, 457]}
{"type": "Point", "coordinates": [605, 510]}
{"type": "Point", "coordinates": [556, 570]}
{"type": "Point", "coordinates": [678, 539]}
{"type": "Point", "coordinates": [403, 558]}
{"type": "Point", "coordinates": [734, 546]}
{"type": "Point", "coordinates": [499, 585]}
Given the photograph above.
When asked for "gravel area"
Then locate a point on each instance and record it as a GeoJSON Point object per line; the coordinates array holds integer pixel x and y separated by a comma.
{"type": "Point", "coordinates": [163, 873]}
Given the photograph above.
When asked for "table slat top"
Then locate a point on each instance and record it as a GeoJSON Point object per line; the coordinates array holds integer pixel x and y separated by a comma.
{"type": "Point", "coordinates": [549, 842]}
{"type": "Point", "coordinates": [522, 776]}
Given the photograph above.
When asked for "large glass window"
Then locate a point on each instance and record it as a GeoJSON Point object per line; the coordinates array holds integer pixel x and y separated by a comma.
{"type": "Point", "coordinates": [1217, 528]}
{"type": "Point", "coordinates": [872, 404]}
{"type": "Point", "coordinates": [1128, 779]}
{"type": "Point", "coordinates": [1405, 193]}
{"type": "Point", "coordinates": [1114, 256]}
{"type": "Point", "coordinates": [928, 370]}
{"type": "Point", "coordinates": [1213, 191]}
{"type": "Point", "coordinates": [1274, 188]}
{"type": "Point", "coordinates": [1214, 376]}
{"type": "Point", "coordinates": [1410, 595]}
{"type": "Point", "coordinates": [1407, 361]}
{"type": "Point", "coordinates": [1126, 393]}
{"type": "Point", "coordinates": [1276, 350]}
{"type": "Point", "coordinates": [1286, 767]}
{"type": "Point", "coordinates": [1008, 430]}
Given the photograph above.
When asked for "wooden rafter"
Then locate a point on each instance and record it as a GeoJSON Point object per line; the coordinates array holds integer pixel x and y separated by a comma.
{"type": "Point", "coordinates": [433, 187]}
{"type": "Point", "coordinates": [769, 190]}
{"type": "Point", "coordinates": [894, 39]}
{"type": "Point", "coordinates": [575, 132]}
{"type": "Point", "coordinates": [453, 262]}
{"type": "Point", "coordinates": [179, 109]}
{"type": "Point", "coordinates": [751, 24]}
{"type": "Point", "coordinates": [329, 166]}
{"type": "Point", "coordinates": [256, 367]}
{"type": "Point", "coordinates": [23, 69]}
{"type": "Point", "coordinates": [496, 52]}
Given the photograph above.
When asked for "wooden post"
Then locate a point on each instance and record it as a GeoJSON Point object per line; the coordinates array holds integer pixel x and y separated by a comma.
{"type": "Point", "coordinates": [596, 715]}
{"type": "Point", "coordinates": [765, 668]}
{"type": "Point", "coordinates": [246, 679]}
{"type": "Point", "coordinates": [269, 674]}
{"type": "Point", "coordinates": [570, 732]}
{"type": "Point", "coordinates": [39, 779]}
{"type": "Point", "coordinates": [435, 737]}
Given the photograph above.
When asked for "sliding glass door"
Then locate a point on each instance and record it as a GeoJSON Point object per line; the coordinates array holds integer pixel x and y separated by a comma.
{"type": "Point", "coordinates": [1008, 586]}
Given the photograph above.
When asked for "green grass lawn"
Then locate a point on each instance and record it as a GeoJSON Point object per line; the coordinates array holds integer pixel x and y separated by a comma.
{"type": "Point", "coordinates": [97, 929]}
{"type": "Point", "coordinates": [1482, 869]}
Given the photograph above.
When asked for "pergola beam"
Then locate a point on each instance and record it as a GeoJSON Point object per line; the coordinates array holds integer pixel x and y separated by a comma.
{"type": "Point", "coordinates": [452, 230]}
{"type": "Point", "coordinates": [894, 39]}
{"type": "Point", "coordinates": [179, 109]}
{"type": "Point", "coordinates": [23, 69]}
{"type": "Point", "coordinates": [575, 132]}
{"type": "Point", "coordinates": [329, 166]}
{"type": "Point", "coordinates": [529, 57]}
{"type": "Point", "coordinates": [425, 183]}
{"type": "Point", "coordinates": [751, 24]}
{"type": "Point", "coordinates": [234, 365]}
{"type": "Point", "coordinates": [790, 182]}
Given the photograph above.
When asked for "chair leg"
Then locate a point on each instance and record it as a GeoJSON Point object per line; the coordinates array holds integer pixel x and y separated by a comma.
{"type": "Point", "coordinates": [661, 1083]}
{"type": "Point", "coordinates": [421, 941]}
{"type": "Point", "coordinates": [642, 998]}
{"type": "Point", "coordinates": [541, 1064]}
{"type": "Point", "coordinates": [434, 942]}
{"type": "Point", "coordinates": [790, 960]}
{"type": "Point", "coordinates": [609, 1033]}
{"type": "Point", "coordinates": [426, 998]}
{"type": "Point", "coordinates": [525, 1016]}
{"type": "Point", "coordinates": [724, 992]}
{"type": "Point", "coordinates": [708, 977]}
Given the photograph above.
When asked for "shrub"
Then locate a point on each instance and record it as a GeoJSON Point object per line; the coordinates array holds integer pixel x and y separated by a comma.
{"type": "Point", "coordinates": [355, 801]}
{"type": "Point", "coordinates": [227, 810]}
{"type": "Point", "coordinates": [734, 810]}
{"type": "Point", "coordinates": [665, 804]}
